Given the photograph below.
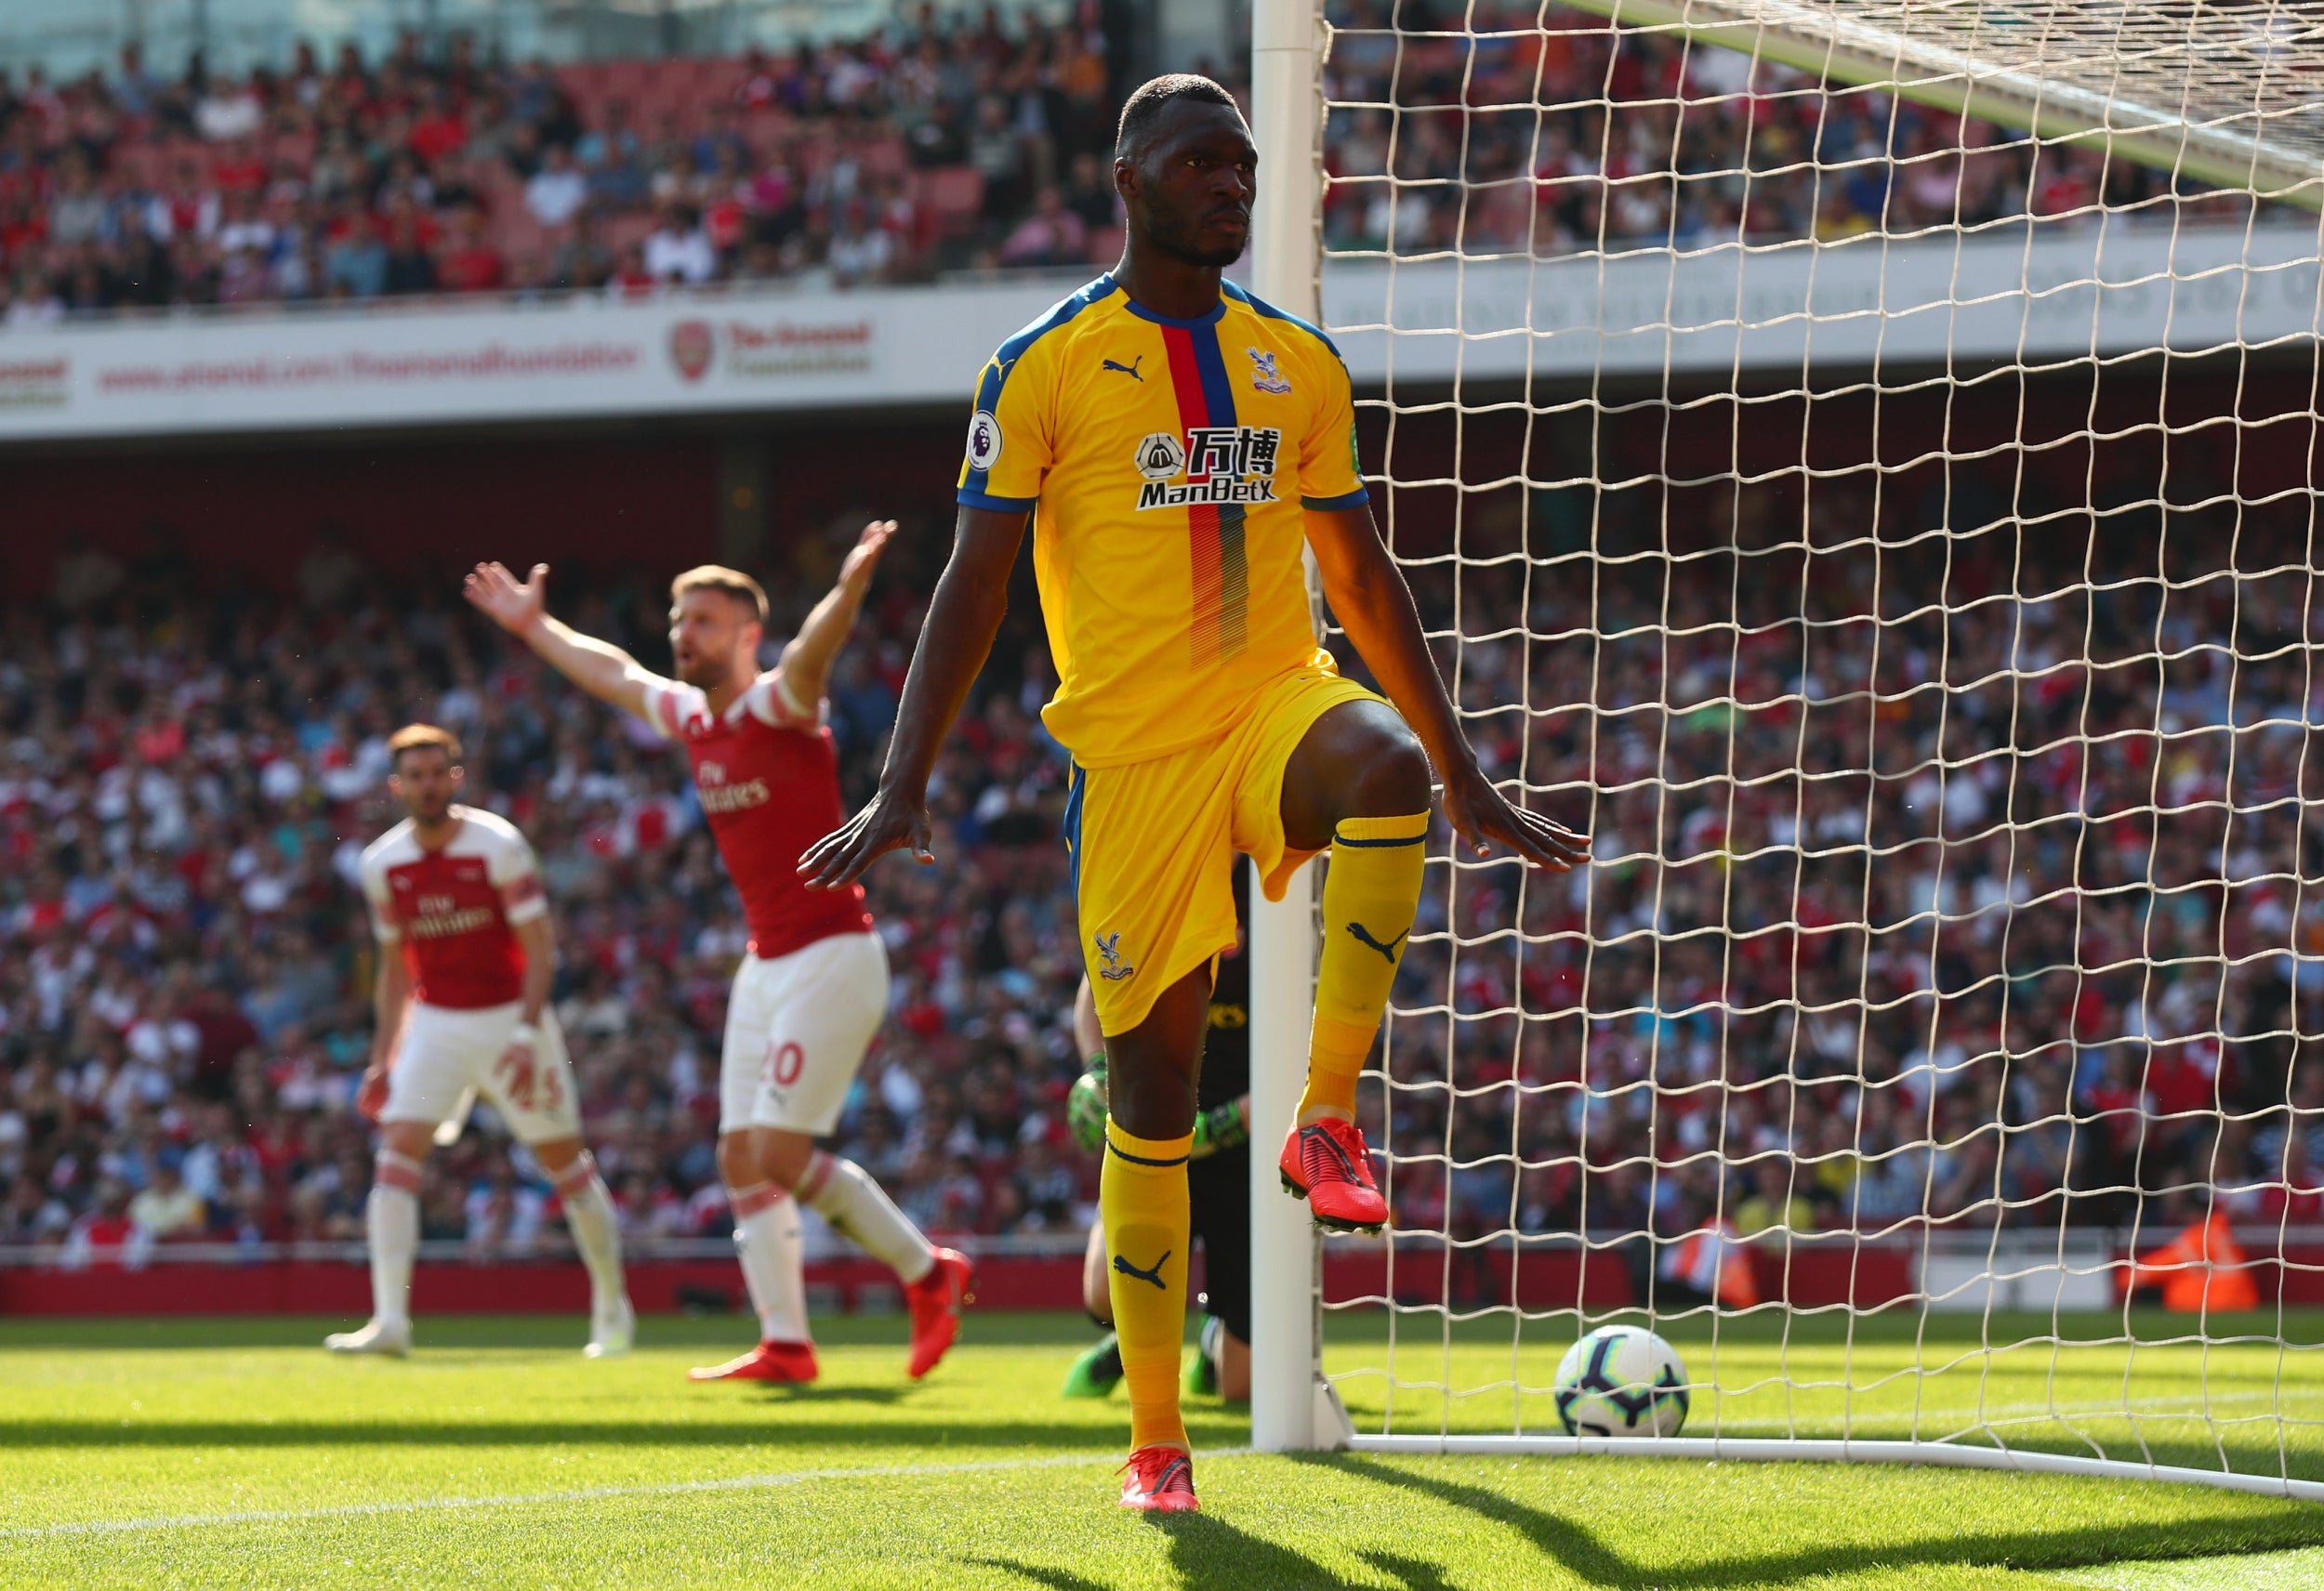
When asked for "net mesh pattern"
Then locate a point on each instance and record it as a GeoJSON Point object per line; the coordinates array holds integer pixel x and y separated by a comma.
{"type": "Point", "coordinates": [2237, 81]}
{"type": "Point", "coordinates": [1892, 539]}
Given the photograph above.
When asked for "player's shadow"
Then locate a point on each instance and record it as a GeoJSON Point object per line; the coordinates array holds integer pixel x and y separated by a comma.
{"type": "Point", "coordinates": [1410, 1573]}
{"type": "Point", "coordinates": [1040, 1573]}
{"type": "Point", "coordinates": [1206, 1551]}
{"type": "Point", "coordinates": [780, 1395]}
{"type": "Point", "coordinates": [1577, 1550]}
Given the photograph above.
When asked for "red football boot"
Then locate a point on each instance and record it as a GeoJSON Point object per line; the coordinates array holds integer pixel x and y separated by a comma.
{"type": "Point", "coordinates": [1325, 1163]}
{"type": "Point", "coordinates": [1161, 1481]}
{"type": "Point", "coordinates": [936, 1299]}
{"type": "Point", "coordinates": [791, 1362]}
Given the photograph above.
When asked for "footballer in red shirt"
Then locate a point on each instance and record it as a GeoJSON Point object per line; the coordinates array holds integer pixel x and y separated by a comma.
{"type": "Point", "coordinates": [466, 956]}
{"type": "Point", "coordinates": [812, 991]}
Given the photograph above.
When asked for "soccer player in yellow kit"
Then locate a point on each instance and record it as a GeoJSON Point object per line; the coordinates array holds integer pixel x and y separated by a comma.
{"type": "Point", "coordinates": [1174, 440]}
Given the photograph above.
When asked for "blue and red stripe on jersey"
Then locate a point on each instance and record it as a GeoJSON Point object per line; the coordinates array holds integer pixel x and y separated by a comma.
{"type": "Point", "coordinates": [1218, 624]}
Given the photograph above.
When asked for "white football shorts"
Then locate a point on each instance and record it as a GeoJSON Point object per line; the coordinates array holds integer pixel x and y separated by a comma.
{"type": "Point", "coordinates": [797, 1028]}
{"type": "Point", "coordinates": [444, 1053]}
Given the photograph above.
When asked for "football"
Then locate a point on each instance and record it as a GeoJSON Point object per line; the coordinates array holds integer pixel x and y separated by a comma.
{"type": "Point", "coordinates": [1621, 1381]}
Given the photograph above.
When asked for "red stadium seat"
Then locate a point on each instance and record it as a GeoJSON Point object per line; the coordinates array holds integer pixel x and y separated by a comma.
{"type": "Point", "coordinates": [720, 76]}
{"type": "Point", "coordinates": [947, 200]}
{"type": "Point", "coordinates": [632, 226]}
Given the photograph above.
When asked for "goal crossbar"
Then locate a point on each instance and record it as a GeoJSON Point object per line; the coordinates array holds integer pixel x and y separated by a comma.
{"type": "Point", "coordinates": [2242, 120]}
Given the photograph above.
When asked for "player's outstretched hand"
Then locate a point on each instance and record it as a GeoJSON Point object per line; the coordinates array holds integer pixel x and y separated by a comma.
{"type": "Point", "coordinates": [864, 557]}
{"type": "Point", "coordinates": [1484, 817]}
{"type": "Point", "coordinates": [511, 603]}
{"type": "Point", "coordinates": [887, 822]}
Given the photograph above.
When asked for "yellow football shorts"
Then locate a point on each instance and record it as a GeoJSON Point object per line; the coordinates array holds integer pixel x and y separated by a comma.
{"type": "Point", "coordinates": [1153, 845]}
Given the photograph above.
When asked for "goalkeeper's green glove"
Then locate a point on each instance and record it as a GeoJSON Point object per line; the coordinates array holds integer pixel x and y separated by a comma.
{"type": "Point", "coordinates": [1220, 1127]}
{"type": "Point", "coordinates": [1085, 1107]}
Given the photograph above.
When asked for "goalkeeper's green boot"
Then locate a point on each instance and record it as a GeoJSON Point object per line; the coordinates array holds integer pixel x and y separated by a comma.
{"type": "Point", "coordinates": [1201, 1379]}
{"type": "Point", "coordinates": [1096, 1372]}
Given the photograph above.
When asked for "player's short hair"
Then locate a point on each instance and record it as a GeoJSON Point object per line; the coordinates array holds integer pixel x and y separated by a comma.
{"type": "Point", "coordinates": [419, 737]}
{"type": "Point", "coordinates": [1146, 106]}
{"type": "Point", "coordinates": [718, 577]}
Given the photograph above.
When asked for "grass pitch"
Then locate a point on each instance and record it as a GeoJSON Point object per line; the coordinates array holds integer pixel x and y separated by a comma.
{"type": "Point", "coordinates": [235, 1453]}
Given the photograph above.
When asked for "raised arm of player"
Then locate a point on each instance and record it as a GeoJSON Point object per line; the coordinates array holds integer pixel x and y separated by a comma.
{"type": "Point", "coordinates": [807, 659]}
{"type": "Point", "coordinates": [1368, 595]}
{"type": "Point", "coordinates": [521, 608]}
{"type": "Point", "coordinates": [963, 616]}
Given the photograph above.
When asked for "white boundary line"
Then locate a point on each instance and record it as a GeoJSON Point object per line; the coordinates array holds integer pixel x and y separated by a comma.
{"type": "Point", "coordinates": [584, 1494]}
{"type": "Point", "coordinates": [1746, 1450]}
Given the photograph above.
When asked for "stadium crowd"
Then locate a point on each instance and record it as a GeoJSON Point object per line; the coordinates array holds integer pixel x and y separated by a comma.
{"type": "Point", "coordinates": [184, 966]}
{"type": "Point", "coordinates": [2077, 942]}
{"type": "Point", "coordinates": [1486, 129]}
{"type": "Point", "coordinates": [1976, 913]}
{"type": "Point", "coordinates": [954, 144]}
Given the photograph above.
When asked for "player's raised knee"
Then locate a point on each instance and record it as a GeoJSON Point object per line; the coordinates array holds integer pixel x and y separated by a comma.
{"type": "Point", "coordinates": [1391, 775]}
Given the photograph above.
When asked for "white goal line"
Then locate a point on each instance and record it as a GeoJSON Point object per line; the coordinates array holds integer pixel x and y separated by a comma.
{"type": "Point", "coordinates": [579, 1494]}
{"type": "Point", "coordinates": [1762, 1450]}
{"type": "Point", "coordinates": [1968, 1421]}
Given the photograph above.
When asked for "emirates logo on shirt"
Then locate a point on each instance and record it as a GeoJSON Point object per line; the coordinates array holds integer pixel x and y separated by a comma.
{"type": "Point", "coordinates": [719, 796]}
{"type": "Point", "coordinates": [442, 916]}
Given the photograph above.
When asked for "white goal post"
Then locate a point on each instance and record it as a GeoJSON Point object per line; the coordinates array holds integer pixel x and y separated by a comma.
{"type": "Point", "coordinates": [1926, 389]}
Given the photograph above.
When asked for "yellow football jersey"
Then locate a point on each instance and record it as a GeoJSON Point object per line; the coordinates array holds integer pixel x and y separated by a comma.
{"type": "Point", "coordinates": [1168, 463]}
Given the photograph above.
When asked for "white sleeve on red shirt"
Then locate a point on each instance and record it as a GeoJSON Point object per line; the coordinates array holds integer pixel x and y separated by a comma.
{"type": "Point", "coordinates": [510, 864]}
{"type": "Point", "coordinates": [677, 710]}
{"type": "Point", "coordinates": [771, 701]}
{"type": "Point", "coordinates": [373, 870]}
{"type": "Point", "coordinates": [672, 709]}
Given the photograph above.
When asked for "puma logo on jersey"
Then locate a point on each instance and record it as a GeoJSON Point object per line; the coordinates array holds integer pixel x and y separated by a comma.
{"type": "Point", "coordinates": [1129, 370]}
{"type": "Point", "coordinates": [1154, 1275]}
{"type": "Point", "coordinates": [1363, 936]}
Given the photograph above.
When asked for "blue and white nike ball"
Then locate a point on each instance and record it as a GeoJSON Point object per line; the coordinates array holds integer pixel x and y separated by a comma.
{"type": "Point", "coordinates": [1621, 1381]}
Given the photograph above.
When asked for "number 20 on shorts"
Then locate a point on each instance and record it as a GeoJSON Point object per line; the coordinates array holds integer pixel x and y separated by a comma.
{"type": "Point", "coordinates": [785, 1062]}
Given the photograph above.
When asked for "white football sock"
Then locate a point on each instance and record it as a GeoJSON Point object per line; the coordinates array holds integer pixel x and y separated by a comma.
{"type": "Point", "coordinates": [844, 1194]}
{"type": "Point", "coordinates": [391, 1220]}
{"type": "Point", "coordinates": [774, 1261]}
{"type": "Point", "coordinates": [596, 1232]}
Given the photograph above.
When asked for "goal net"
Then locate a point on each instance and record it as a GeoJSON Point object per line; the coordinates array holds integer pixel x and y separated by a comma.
{"type": "Point", "coordinates": [1854, 461]}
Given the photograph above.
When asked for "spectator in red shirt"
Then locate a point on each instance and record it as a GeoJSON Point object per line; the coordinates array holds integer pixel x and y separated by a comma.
{"type": "Point", "coordinates": [410, 267]}
{"type": "Point", "coordinates": [467, 263]}
{"type": "Point", "coordinates": [239, 170]}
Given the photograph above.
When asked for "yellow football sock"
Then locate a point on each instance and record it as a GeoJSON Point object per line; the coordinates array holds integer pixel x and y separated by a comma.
{"type": "Point", "coordinates": [1370, 893]}
{"type": "Point", "coordinates": [1142, 1201]}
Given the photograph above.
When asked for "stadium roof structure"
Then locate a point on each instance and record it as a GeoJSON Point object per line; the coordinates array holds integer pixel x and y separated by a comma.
{"type": "Point", "coordinates": [2229, 92]}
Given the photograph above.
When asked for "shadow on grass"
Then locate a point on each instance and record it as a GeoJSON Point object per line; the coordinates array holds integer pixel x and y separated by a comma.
{"type": "Point", "coordinates": [776, 1394]}
{"type": "Point", "coordinates": [1040, 1574]}
{"type": "Point", "coordinates": [935, 1433]}
{"type": "Point", "coordinates": [1578, 1551]}
{"type": "Point", "coordinates": [1411, 1572]}
{"type": "Point", "coordinates": [1206, 1551]}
